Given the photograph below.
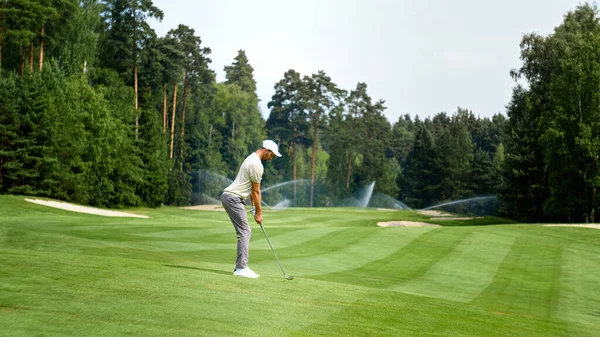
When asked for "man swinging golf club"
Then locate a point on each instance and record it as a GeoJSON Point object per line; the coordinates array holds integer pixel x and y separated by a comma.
{"type": "Point", "coordinates": [247, 183]}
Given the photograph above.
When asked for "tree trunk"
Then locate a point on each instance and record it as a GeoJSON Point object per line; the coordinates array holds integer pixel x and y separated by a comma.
{"type": "Point", "coordinates": [31, 57]}
{"type": "Point", "coordinates": [135, 84]}
{"type": "Point", "coordinates": [135, 90]}
{"type": "Point", "coordinates": [173, 120]}
{"type": "Point", "coordinates": [22, 62]}
{"type": "Point", "coordinates": [164, 108]}
{"type": "Point", "coordinates": [594, 205]}
{"type": "Point", "coordinates": [314, 157]}
{"type": "Point", "coordinates": [182, 141]}
{"type": "Point", "coordinates": [1, 29]}
{"type": "Point", "coordinates": [42, 49]}
{"type": "Point", "coordinates": [294, 158]}
{"type": "Point", "coordinates": [349, 169]}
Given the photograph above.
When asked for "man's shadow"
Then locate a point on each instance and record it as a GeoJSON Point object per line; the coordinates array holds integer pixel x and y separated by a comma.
{"type": "Point", "coordinates": [196, 268]}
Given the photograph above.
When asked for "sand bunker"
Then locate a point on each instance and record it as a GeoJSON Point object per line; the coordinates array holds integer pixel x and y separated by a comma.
{"type": "Point", "coordinates": [213, 207]}
{"type": "Point", "coordinates": [591, 225]}
{"type": "Point", "coordinates": [433, 213]}
{"type": "Point", "coordinates": [84, 209]}
{"type": "Point", "coordinates": [406, 224]}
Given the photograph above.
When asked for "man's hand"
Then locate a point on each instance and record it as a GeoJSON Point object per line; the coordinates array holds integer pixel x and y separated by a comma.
{"type": "Point", "coordinates": [257, 217]}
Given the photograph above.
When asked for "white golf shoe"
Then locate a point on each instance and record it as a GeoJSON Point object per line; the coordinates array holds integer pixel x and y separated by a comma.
{"type": "Point", "coordinates": [245, 272]}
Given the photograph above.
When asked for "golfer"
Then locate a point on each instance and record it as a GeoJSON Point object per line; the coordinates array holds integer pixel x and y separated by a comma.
{"type": "Point", "coordinates": [247, 183]}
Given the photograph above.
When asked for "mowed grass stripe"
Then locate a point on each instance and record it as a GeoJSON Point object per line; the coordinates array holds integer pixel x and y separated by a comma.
{"type": "Point", "coordinates": [466, 271]}
{"type": "Point", "coordinates": [320, 248]}
{"type": "Point", "coordinates": [390, 313]}
{"type": "Point", "coordinates": [202, 239]}
{"type": "Point", "coordinates": [284, 238]}
{"type": "Point", "coordinates": [528, 280]}
{"type": "Point", "coordinates": [161, 245]}
{"type": "Point", "coordinates": [580, 293]}
{"type": "Point", "coordinates": [185, 233]}
{"type": "Point", "coordinates": [69, 295]}
{"type": "Point", "coordinates": [373, 244]}
{"type": "Point", "coordinates": [335, 240]}
{"type": "Point", "coordinates": [406, 262]}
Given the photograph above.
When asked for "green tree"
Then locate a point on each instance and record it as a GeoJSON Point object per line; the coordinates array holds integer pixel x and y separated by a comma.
{"type": "Point", "coordinates": [19, 31]}
{"type": "Point", "coordinates": [153, 152]}
{"type": "Point", "coordinates": [170, 58]}
{"type": "Point", "coordinates": [195, 64]}
{"type": "Point", "coordinates": [9, 132]}
{"type": "Point", "coordinates": [241, 73]}
{"type": "Point", "coordinates": [3, 11]}
{"type": "Point", "coordinates": [288, 122]}
{"type": "Point", "coordinates": [420, 173]}
{"type": "Point", "coordinates": [33, 155]}
{"type": "Point", "coordinates": [454, 152]}
{"type": "Point", "coordinates": [337, 137]}
{"type": "Point", "coordinates": [320, 95]}
{"type": "Point", "coordinates": [482, 177]}
{"type": "Point", "coordinates": [571, 138]}
{"type": "Point", "coordinates": [524, 187]}
{"type": "Point", "coordinates": [355, 130]}
{"type": "Point", "coordinates": [76, 46]}
{"type": "Point", "coordinates": [402, 138]}
{"type": "Point", "coordinates": [122, 168]}
{"type": "Point", "coordinates": [126, 29]}
{"type": "Point", "coordinates": [561, 106]}
{"type": "Point", "coordinates": [51, 25]}
{"type": "Point", "coordinates": [242, 126]}
{"type": "Point", "coordinates": [368, 133]}
{"type": "Point", "coordinates": [25, 22]}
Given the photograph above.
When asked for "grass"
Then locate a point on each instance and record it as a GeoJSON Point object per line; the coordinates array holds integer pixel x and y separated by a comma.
{"type": "Point", "coordinates": [69, 274]}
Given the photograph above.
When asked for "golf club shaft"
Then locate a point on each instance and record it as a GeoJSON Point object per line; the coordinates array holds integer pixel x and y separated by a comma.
{"type": "Point", "coordinates": [269, 241]}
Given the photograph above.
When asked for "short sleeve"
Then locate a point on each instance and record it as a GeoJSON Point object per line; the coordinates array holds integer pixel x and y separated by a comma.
{"type": "Point", "coordinates": [256, 173]}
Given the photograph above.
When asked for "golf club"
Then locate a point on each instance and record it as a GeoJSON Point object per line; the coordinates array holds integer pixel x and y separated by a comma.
{"type": "Point", "coordinates": [287, 277]}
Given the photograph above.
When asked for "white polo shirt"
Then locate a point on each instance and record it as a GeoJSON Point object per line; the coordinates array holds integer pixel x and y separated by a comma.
{"type": "Point", "coordinates": [250, 171]}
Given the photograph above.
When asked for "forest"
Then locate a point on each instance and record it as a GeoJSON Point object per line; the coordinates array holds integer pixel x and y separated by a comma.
{"type": "Point", "coordinates": [96, 109]}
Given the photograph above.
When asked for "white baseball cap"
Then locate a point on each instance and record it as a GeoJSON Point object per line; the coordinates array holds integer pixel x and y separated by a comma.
{"type": "Point", "coordinates": [270, 145]}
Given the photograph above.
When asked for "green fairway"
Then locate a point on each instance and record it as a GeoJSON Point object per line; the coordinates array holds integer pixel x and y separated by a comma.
{"type": "Point", "coordinates": [70, 274]}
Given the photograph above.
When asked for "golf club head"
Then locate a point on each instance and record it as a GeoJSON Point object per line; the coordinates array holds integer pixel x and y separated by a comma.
{"type": "Point", "coordinates": [289, 277]}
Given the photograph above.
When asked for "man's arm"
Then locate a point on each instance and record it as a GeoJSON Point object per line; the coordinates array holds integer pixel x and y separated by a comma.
{"type": "Point", "coordinates": [256, 201]}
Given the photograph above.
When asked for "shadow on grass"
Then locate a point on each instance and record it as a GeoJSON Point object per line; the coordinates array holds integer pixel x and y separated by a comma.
{"type": "Point", "coordinates": [201, 269]}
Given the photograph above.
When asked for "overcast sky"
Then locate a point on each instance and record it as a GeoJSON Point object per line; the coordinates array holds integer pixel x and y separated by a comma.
{"type": "Point", "coordinates": [421, 57]}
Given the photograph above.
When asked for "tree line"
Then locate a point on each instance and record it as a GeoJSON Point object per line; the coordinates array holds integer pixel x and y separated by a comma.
{"type": "Point", "coordinates": [95, 108]}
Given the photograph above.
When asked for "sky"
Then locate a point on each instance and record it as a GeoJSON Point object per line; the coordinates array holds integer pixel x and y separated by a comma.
{"type": "Point", "coordinates": [420, 57]}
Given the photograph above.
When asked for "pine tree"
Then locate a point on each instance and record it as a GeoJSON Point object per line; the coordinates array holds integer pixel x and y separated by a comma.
{"type": "Point", "coordinates": [320, 95]}
{"type": "Point", "coordinates": [287, 122]}
{"type": "Point", "coordinates": [241, 73]}
{"type": "Point", "coordinates": [126, 29]}
{"type": "Point", "coordinates": [9, 132]}
{"type": "Point", "coordinates": [420, 174]}
{"type": "Point", "coordinates": [524, 183]}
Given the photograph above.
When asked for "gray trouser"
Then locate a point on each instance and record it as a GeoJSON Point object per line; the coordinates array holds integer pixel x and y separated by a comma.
{"type": "Point", "coordinates": [235, 206]}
